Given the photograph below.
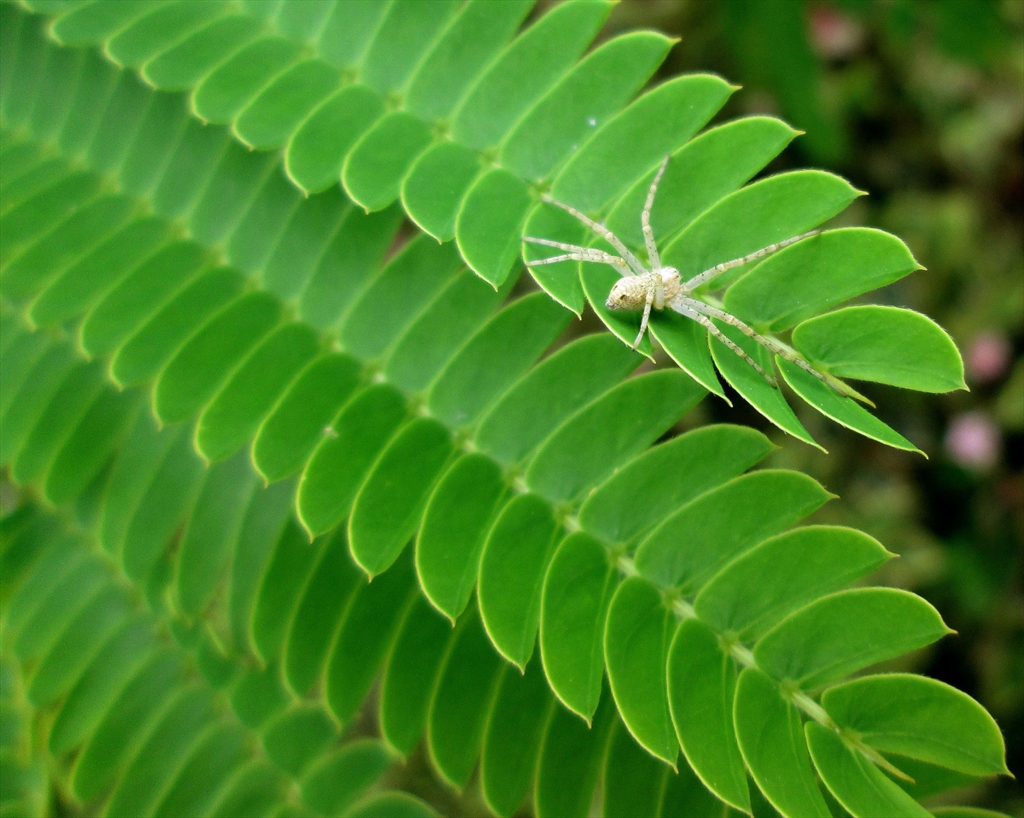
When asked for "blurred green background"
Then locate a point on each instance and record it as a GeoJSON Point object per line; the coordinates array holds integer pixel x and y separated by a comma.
{"type": "Point", "coordinates": [920, 103]}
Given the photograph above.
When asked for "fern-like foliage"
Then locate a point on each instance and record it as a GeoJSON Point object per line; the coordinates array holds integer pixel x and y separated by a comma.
{"type": "Point", "coordinates": [227, 406]}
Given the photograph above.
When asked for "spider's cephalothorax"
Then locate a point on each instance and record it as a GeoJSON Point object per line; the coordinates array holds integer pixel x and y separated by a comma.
{"type": "Point", "coordinates": [645, 289]}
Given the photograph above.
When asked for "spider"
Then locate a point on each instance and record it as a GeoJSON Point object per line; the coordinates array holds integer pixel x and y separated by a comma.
{"type": "Point", "coordinates": [646, 289]}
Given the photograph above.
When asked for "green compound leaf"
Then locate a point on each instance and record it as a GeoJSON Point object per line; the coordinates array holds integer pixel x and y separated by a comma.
{"type": "Point", "coordinates": [702, 536]}
{"type": "Point", "coordinates": [807, 277]}
{"type": "Point", "coordinates": [883, 344]}
{"type": "Point", "coordinates": [253, 614]}
{"type": "Point", "coordinates": [846, 631]}
{"type": "Point", "coordinates": [637, 633]}
{"type": "Point", "coordinates": [701, 682]}
{"type": "Point", "coordinates": [578, 588]}
{"type": "Point", "coordinates": [919, 718]}
{"type": "Point", "coordinates": [857, 784]}
{"type": "Point", "coordinates": [771, 739]}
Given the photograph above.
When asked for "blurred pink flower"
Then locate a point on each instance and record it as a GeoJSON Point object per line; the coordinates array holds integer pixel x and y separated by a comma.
{"type": "Point", "coordinates": [988, 357]}
{"type": "Point", "coordinates": [835, 35]}
{"type": "Point", "coordinates": [973, 441]}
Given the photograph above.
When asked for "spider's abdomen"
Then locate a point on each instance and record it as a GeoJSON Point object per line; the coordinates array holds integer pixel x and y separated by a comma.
{"type": "Point", "coordinates": [630, 293]}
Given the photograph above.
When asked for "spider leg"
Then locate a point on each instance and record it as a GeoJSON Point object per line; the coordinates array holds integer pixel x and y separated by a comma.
{"type": "Point", "coordinates": [718, 269]}
{"type": "Point", "coordinates": [643, 321]}
{"type": "Point", "coordinates": [598, 257]}
{"type": "Point", "coordinates": [561, 245]}
{"type": "Point", "coordinates": [683, 307]}
{"type": "Point", "coordinates": [645, 219]}
{"type": "Point", "coordinates": [768, 343]}
{"type": "Point", "coordinates": [576, 253]}
{"type": "Point", "coordinates": [603, 231]}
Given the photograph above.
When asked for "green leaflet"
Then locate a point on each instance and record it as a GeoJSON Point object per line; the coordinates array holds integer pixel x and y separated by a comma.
{"type": "Point", "coordinates": [701, 682]}
{"type": "Point", "coordinates": [535, 406]}
{"type": "Point", "coordinates": [597, 439]}
{"type": "Point", "coordinates": [364, 637]}
{"type": "Point", "coordinates": [454, 526]}
{"type": "Point", "coordinates": [810, 276]}
{"type": "Point", "coordinates": [778, 576]}
{"type": "Point", "coordinates": [295, 427]}
{"type": "Point", "coordinates": [770, 210]}
{"type": "Point", "coordinates": [389, 506]}
{"type": "Point", "coordinates": [578, 588]}
{"type": "Point", "coordinates": [296, 737]}
{"type": "Point", "coordinates": [342, 457]}
{"type": "Point", "coordinates": [331, 584]}
{"type": "Point", "coordinates": [765, 398]}
{"type": "Point", "coordinates": [512, 567]}
{"type": "Point", "coordinates": [270, 119]}
{"type": "Point", "coordinates": [392, 803]}
{"type": "Point", "coordinates": [466, 684]}
{"type": "Point", "coordinates": [411, 673]}
{"type": "Point", "coordinates": [212, 528]}
{"type": "Point", "coordinates": [644, 492]}
{"type": "Point", "coordinates": [884, 344]}
{"type": "Point", "coordinates": [318, 147]}
{"type": "Point", "coordinates": [636, 639]}
{"type": "Point", "coordinates": [636, 139]}
{"type": "Point", "coordinates": [632, 780]}
{"type": "Point", "coordinates": [571, 751]}
{"type": "Point", "coordinates": [515, 728]}
{"type": "Point", "coordinates": [342, 776]}
{"type": "Point", "coordinates": [167, 746]}
{"type": "Point", "coordinates": [919, 718]}
{"type": "Point", "coordinates": [723, 524]}
{"type": "Point", "coordinates": [223, 93]}
{"type": "Point", "coordinates": [874, 623]}
{"type": "Point", "coordinates": [182, 65]}
{"type": "Point", "coordinates": [840, 408]}
{"type": "Point", "coordinates": [191, 377]}
{"type": "Point", "coordinates": [372, 173]}
{"type": "Point", "coordinates": [771, 739]}
{"type": "Point", "coordinates": [856, 783]}
{"type": "Point", "coordinates": [230, 420]}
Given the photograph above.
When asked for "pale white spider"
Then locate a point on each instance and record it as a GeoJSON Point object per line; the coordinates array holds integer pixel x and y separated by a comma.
{"type": "Point", "coordinates": [643, 289]}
